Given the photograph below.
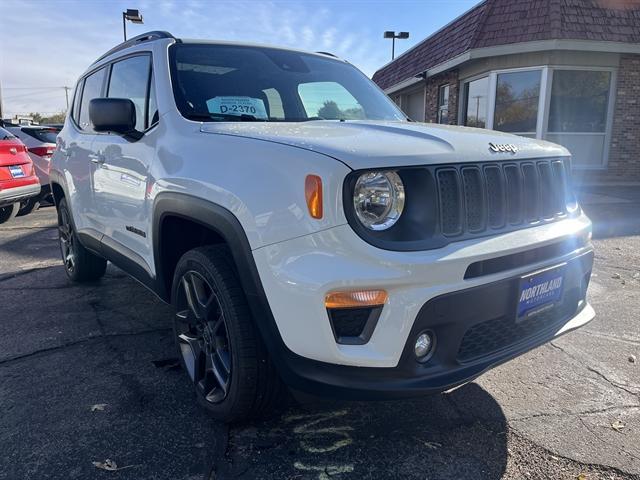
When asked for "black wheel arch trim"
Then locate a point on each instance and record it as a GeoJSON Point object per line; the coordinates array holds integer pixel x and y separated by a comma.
{"type": "Point", "coordinates": [297, 371]}
{"type": "Point", "coordinates": [57, 178]}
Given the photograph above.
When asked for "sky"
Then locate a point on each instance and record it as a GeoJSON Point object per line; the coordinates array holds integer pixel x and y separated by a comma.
{"type": "Point", "coordinates": [46, 44]}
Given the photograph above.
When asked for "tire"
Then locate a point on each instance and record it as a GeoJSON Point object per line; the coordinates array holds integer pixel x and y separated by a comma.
{"type": "Point", "coordinates": [29, 206]}
{"type": "Point", "coordinates": [8, 212]}
{"type": "Point", "coordinates": [217, 341]}
{"type": "Point", "coordinates": [80, 264]}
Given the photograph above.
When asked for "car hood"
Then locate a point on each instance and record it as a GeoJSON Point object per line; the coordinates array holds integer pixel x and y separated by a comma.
{"type": "Point", "coordinates": [367, 144]}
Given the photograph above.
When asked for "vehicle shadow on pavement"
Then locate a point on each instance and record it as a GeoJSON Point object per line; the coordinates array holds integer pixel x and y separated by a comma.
{"type": "Point", "coordinates": [460, 434]}
{"type": "Point", "coordinates": [89, 373]}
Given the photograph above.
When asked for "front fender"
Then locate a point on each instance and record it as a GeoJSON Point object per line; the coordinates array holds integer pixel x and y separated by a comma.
{"type": "Point", "coordinates": [261, 183]}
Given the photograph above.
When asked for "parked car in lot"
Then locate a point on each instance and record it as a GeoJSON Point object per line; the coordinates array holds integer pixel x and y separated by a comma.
{"type": "Point", "coordinates": [305, 231]}
{"type": "Point", "coordinates": [41, 142]}
{"type": "Point", "coordinates": [18, 180]}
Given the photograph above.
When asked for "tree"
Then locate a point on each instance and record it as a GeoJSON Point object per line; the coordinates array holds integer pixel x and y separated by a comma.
{"type": "Point", "coordinates": [36, 117]}
{"type": "Point", "coordinates": [55, 118]}
{"type": "Point", "coordinates": [330, 110]}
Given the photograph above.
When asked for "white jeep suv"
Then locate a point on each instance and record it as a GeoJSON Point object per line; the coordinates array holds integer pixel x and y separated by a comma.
{"type": "Point", "coordinates": [305, 231]}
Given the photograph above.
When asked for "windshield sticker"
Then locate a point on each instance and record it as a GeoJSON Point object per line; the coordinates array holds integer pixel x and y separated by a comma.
{"type": "Point", "coordinates": [237, 106]}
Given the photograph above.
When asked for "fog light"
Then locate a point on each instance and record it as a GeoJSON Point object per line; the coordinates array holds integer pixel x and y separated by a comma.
{"type": "Point", "coordinates": [424, 346]}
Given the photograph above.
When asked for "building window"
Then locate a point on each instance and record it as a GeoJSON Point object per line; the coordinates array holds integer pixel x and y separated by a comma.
{"type": "Point", "coordinates": [443, 104]}
{"type": "Point", "coordinates": [579, 101]}
{"type": "Point", "coordinates": [578, 114]}
{"type": "Point", "coordinates": [565, 105]}
{"type": "Point", "coordinates": [517, 99]}
{"type": "Point", "coordinates": [475, 114]}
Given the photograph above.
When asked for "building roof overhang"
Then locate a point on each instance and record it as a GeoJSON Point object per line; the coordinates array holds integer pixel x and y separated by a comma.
{"type": "Point", "coordinates": [516, 48]}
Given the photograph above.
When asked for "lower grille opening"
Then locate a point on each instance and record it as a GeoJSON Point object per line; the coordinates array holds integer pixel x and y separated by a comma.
{"type": "Point", "coordinates": [493, 335]}
{"type": "Point", "coordinates": [353, 326]}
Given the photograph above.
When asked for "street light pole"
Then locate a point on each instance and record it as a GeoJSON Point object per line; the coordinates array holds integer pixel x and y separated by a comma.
{"type": "Point", "coordinates": [393, 35]}
{"type": "Point", "coordinates": [133, 16]}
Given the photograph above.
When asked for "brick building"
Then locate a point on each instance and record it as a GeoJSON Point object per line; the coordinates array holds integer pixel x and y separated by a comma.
{"type": "Point", "coordinates": [563, 70]}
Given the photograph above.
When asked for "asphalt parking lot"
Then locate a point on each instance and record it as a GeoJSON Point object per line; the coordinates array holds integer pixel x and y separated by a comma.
{"type": "Point", "coordinates": [89, 373]}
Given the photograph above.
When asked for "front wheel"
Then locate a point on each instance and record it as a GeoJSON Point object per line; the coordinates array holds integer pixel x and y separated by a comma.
{"type": "Point", "coordinates": [80, 264]}
{"type": "Point", "coordinates": [218, 344]}
{"type": "Point", "coordinates": [8, 212]}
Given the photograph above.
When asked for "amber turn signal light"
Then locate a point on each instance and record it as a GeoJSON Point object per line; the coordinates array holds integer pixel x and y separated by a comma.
{"type": "Point", "coordinates": [355, 299]}
{"type": "Point", "coordinates": [313, 194]}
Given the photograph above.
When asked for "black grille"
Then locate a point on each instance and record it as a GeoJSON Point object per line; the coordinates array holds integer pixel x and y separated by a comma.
{"type": "Point", "coordinates": [474, 198]}
{"type": "Point", "coordinates": [450, 202]}
{"type": "Point", "coordinates": [495, 196]}
{"type": "Point", "coordinates": [493, 335]}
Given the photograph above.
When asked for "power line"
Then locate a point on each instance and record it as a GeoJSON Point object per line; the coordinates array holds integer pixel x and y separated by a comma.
{"type": "Point", "coordinates": [39, 95]}
{"type": "Point", "coordinates": [29, 88]}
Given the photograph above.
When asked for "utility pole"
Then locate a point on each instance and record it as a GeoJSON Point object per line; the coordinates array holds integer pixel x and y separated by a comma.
{"type": "Point", "coordinates": [1, 116]}
{"type": "Point", "coordinates": [66, 94]}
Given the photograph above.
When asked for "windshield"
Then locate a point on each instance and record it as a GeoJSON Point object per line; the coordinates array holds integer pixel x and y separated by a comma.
{"type": "Point", "coordinates": [238, 83]}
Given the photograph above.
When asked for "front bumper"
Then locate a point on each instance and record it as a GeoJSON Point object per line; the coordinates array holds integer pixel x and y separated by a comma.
{"type": "Point", "coordinates": [17, 194]}
{"type": "Point", "coordinates": [427, 290]}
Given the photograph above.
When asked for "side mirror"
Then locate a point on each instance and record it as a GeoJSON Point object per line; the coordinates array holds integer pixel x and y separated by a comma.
{"type": "Point", "coordinates": [116, 115]}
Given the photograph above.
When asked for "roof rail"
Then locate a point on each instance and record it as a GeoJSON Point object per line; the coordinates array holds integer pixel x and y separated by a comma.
{"type": "Point", "coordinates": [145, 37]}
{"type": "Point", "coordinates": [327, 53]}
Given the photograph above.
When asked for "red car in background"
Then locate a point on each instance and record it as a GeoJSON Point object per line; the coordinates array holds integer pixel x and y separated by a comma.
{"type": "Point", "coordinates": [18, 179]}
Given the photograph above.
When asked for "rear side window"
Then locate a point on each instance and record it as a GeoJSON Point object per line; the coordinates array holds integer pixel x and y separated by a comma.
{"type": "Point", "coordinates": [130, 79]}
{"type": "Point", "coordinates": [92, 89]}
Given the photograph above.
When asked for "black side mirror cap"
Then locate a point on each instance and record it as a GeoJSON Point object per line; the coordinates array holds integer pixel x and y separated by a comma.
{"type": "Point", "coordinates": [117, 115]}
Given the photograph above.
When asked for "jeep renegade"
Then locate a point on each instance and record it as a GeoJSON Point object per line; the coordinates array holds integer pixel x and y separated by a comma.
{"type": "Point", "coordinates": [305, 231]}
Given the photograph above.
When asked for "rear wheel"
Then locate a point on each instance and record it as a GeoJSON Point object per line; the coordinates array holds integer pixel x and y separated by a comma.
{"type": "Point", "coordinates": [8, 212]}
{"type": "Point", "coordinates": [219, 346]}
{"type": "Point", "coordinates": [28, 206]}
{"type": "Point", "coordinates": [80, 264]}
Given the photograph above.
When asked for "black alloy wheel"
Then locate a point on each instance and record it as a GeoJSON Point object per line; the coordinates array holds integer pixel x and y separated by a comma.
{"type": "Point", "coordinates": [80, 264]}
{"type": "Point", "coordinates": [203, 337]}
{"type": "Point", "coordinates": [216, 338]}
{"type": "Point", "coordinates": [67, 241]}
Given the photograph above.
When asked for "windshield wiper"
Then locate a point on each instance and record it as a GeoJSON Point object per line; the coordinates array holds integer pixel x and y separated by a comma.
{"type": "Point", "coordinates": [223, 117]}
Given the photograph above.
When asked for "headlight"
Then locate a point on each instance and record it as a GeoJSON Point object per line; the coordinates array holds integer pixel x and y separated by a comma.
{"type": "Point", "coordinates": [378, 199]}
